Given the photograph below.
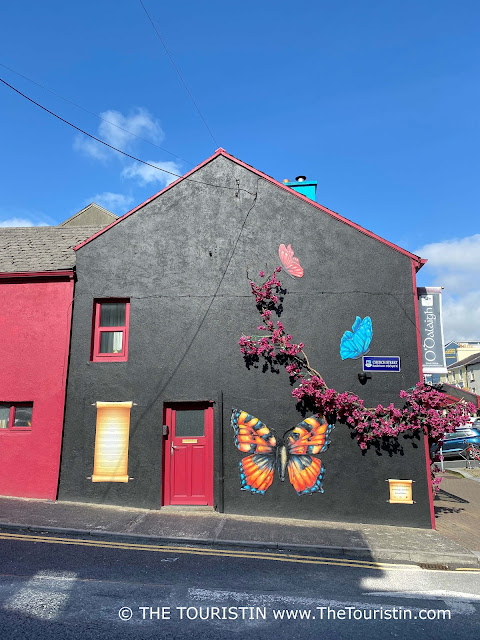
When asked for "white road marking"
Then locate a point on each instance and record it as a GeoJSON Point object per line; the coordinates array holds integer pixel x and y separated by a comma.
{"type": "Point", "coordinates": [255, 599]}
{"type": "Point", "coordinates": [44, 596]}
{"type": "Point", "coordinates": [456, 601]}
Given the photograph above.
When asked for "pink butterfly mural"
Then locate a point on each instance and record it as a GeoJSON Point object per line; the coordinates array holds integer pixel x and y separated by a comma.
{"type": "Point", "coordinates": [290, 263]}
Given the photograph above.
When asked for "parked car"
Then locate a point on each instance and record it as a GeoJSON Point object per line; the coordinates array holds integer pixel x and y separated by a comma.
{"type": "Point", "coordinates": [461, 438]}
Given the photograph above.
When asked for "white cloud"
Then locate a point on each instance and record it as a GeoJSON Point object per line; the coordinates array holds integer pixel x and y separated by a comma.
{"type": "Point", "coordinates": [457, 259]}
{"type": "Point", "coordinates": [90, 147]}
{"type": "Point", "coordinates": [461, 317]}
{"type": "Point", "coordinates": [140, 122]}
{"type": "Point", "coordinates": [17, 222]}
{"type": "Point", "coordinates": [115, 202]}
{"type": "Point", "coordinates": [116, 129]}
{"type": "Point", "coordinates": [23, 217]}
{"type": "Point", "coordinates": [455, 265]}
{"type": "Point", "coordinates": [147, 175]}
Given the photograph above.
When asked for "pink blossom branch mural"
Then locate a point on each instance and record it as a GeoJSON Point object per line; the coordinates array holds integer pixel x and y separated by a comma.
{"type": "Point", "coordinates": [424, 408]}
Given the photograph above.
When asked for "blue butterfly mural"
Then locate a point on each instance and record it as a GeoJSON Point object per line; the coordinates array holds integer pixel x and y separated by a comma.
{"type": "Point", "coordinates": [356, 343]}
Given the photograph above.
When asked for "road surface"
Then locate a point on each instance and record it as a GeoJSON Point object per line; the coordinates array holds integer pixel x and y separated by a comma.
{"type": "Point", "coordinates": [68, 588]}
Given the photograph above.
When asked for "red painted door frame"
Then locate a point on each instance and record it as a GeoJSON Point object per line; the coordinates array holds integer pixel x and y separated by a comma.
{"type": "Point", "coordinates": [188, 461]}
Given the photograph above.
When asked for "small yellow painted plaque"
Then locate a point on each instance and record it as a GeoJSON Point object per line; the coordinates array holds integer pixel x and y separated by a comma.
{"type": "Point", "coordinates": [400, 491]}
{"type": "Point", "coordinates": [189, 441]}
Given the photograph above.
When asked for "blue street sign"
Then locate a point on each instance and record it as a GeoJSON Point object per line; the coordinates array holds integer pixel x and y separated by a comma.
{"type": "Point", "coordinates": [381, 363]}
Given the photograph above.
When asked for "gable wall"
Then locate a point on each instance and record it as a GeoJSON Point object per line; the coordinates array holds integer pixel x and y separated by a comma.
{"type": "Point", "coordinates": [183, 343]}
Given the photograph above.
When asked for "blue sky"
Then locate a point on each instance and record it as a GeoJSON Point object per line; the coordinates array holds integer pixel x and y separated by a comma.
{"type": "Point", "coordinates": [376, 100]}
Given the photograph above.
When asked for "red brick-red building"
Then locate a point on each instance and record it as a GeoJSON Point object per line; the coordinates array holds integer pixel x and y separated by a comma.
{"type": "Point", "coordinates": [36, 297]}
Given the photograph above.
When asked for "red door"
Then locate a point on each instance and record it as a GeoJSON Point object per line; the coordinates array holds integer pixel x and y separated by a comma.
{"type": "Point", "coordinates": [188, 457]}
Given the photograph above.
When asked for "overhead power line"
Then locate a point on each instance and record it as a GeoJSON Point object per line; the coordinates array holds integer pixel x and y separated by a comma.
{"type": "Point", "coordinates": [93, 113]}
{"type": "Point", "coordinates": [148, 164]}
{"type": "Point", "coordinates": [179, 74]}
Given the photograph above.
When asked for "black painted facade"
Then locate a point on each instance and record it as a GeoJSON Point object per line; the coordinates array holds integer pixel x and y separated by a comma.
{"type": "Point", "coordinates": [182, 259]}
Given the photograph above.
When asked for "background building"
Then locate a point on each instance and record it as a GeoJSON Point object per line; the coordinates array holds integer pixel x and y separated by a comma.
{"type": "Point", "coordinates": [458, 350]}
{"type": "Point", "coordinates": [465, 373]}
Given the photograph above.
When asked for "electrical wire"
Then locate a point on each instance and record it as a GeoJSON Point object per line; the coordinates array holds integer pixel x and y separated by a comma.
{"type": "Point", "coordinates": [179, 74]}
{"type": "Point", "coordinates": [212, 297]}
{"type": "Point", "coordinates": [128, 155]}
{"type": "Point", "coordinates": [94, 114]}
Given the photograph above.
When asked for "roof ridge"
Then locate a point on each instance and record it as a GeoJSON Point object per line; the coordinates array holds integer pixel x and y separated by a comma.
{"type": "Point", "coordinates": [52, 229]}
{"type": "Point", "coordinates": [75, 215]}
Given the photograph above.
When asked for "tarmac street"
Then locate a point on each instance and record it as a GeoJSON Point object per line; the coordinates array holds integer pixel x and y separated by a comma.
{"type": "Point", "coordinates": [60, 587]}
{"type": "Point", "coordinates": [71, 571]}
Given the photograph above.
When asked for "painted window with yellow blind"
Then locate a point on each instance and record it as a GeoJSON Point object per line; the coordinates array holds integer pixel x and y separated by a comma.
{"type": "Point", "coordinates": [111, 442]}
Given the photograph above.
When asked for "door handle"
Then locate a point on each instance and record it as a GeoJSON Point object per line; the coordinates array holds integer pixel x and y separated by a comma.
{"type": "Point", "coordinates": [173, 448]}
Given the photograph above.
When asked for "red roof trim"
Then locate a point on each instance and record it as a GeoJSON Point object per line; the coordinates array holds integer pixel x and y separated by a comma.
{"type": "Point", "coordinates": [417, 323]}
{"type": "Point", "coordinates": [444, 390]}
{"type": "Point", "coordinates": [419, 262]}
{"type": "Point", "coordinates": [454, 399]}
{"type": "Point", "coordinates": [66, 273]}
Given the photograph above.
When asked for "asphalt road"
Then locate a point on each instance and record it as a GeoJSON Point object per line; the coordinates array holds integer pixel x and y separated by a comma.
{"type": "Point", "coordinates": [64, 589]}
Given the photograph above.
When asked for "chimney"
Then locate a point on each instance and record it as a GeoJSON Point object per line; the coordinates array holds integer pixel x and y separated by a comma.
{"type": "Point", "coordinates": [307, 188]}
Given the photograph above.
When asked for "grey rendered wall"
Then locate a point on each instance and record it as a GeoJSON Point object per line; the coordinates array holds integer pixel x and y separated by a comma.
{"type": "Point", "coordinates": [182, 261]}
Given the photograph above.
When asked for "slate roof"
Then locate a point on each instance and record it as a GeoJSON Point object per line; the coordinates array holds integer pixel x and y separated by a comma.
{"type": "Point", "coordinates": [24, 249]}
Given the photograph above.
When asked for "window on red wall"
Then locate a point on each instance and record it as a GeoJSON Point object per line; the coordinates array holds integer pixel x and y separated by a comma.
{"type": "Point", "coordinates": [16, 416]}
{"type": "Point", "coordinates": [110, 330]}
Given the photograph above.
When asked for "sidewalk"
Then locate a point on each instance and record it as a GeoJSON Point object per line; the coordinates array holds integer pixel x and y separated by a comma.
{"type": "Point", "coordinates": [457, 509]}
{"type": "Point", "coordinates": [376, 543]}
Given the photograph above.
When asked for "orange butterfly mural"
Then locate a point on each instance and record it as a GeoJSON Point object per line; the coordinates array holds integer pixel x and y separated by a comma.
{"type": "Point", "coordinates": [291, 454]}
{"type": "Point", "coordinates": [289, 261]}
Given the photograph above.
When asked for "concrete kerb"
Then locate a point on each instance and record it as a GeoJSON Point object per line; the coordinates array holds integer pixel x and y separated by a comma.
{"type": "Point", "coordinates": [465, 473]}
{"type": "Point", "coordinates": [451, 561]}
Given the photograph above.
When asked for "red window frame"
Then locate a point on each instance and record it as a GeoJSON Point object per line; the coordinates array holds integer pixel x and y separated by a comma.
{"type": "Point", "coordinates": [11, 418]}
{"type": "Point", "coordinates": [96, 356]}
